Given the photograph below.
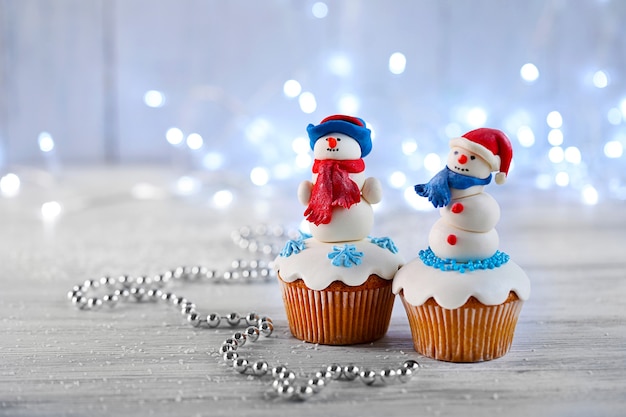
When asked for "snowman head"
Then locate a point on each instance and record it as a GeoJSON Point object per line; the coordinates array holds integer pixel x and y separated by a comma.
{"type": "Point", "coordinates": [490, 145]}
{"type": "Point", "coordinates": [465, 162]}
{"type": "Point", "coordinates": [340, 128]}
{"type": "Point", "coordinates": [336, 146]}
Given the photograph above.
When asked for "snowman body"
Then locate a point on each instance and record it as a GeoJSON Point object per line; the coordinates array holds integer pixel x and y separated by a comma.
{"type": "Point", "coordinates": [466, 229]}
{"type": "Point", "coordinates": [346, 223]}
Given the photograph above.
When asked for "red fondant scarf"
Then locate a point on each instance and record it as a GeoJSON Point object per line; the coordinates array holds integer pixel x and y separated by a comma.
{"type": "Point", "coordinates": [333, 188]}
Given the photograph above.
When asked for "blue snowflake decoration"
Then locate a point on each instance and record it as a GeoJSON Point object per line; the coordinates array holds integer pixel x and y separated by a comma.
{"type": "Point", "coordinates": [430, 259]}
{"type": "Point", "coordinates": [385, 243]}
{"type": "Point", "coordinates": [347, 256]}
{"type": "Point", "coordinates": [295, 246]}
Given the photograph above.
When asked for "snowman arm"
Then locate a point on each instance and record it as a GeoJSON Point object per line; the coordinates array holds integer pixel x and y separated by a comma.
{"type": "Point", "coordinates": [436, 190]}
{"type": "Point", "coordinates": [304, 192]}
{"type": "Point", "coordinates": [372, 190]}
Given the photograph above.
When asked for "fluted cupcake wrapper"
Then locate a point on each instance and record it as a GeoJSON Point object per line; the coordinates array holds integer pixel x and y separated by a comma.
{"type": "Point", "coordinates": [473, 332]}
{"type": "Point", "coordinates": [338, 317]}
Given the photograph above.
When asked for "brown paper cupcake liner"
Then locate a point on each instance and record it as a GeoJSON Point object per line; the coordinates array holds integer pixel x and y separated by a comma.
{"type": "Point", "coordinates": [339, 314]}
{"type": "Point", "coordinates": [473, 332]}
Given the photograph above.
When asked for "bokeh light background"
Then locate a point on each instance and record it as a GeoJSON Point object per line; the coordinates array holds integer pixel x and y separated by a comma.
{"type": "Point", "coordinates": [226, 88]}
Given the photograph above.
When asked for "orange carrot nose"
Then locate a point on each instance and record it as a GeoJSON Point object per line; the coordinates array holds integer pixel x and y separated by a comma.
{"type": "Point", "coordinates": [332, 142]}
{"type": "Point", "coordinates": [462, 159]}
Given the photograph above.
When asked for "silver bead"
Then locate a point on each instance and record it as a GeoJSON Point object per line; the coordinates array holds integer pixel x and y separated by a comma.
{"type": "Point", "coordinates": [367, 377]}
{"type": "Point", "coordinates": [227, 348]}
{"type": "Point", "coordinates": [233, 319]}
{"type": "Point", "coordinates": [230, 356]}
{"type": "Point", "coordinates": [143, 281]}
{"type": "Point", "coordinates": [74, 293]}
{"type": "Point", "coordinates": [137, 292]}
{"type": "Point", "coordinates": [107, 280]}
{"type": "Point", "coordinates": [303, 392]}
{"type": "Point", "coordinates": [350, 372]}
{"type": "Point", "coordinates": [110, 299]}
{"type": "Point", "coordinates": [267, 328]}
{"type": "Point", "coordinates": [335, 371]}
{"type": "Point", "coordinates": [285, 391]}
{"type": "Point", "coordinates": [280, 382]}
{"type": "Point", "coordinates": [404, 374]}
{"type": "Point", "coordinates": [252, 319]}
{"type": "Point", "coordinates": [259, 368]}
{"type": "Point", "coordinates": [252, 333]}
{"type": "Point", "coordinates": [167, 296]}
{"type": "Point", "coordinates": [94, 303]}
{"type": "Point", "coordinates": [278, 370]}
{"type": "Point", "coordinates": [323, 374]}
{"type": "Point", "coordinates": [316, 383]}
{"type": "Point", "coordinates": [387, 375]}
{"type": "Point", "coordinates": [240, 338]}
{"type": "Point", "coordinates": [123, 293]}
{"type": "Point", "coordinates": [179, 301]}
{"type": "Point", "coordinates": [265, 318]}
{"type": "Point", "coordinates": [125, 281]}
{"type": "Point", "coordinates": [194, 319]}
{"type": "Point", "coordinates": [178, 272]}
{"type": "Point", "coordinates": [154, 294]}
{"type": "Point", "coordinates": [213, 320]}
{"type": "Point", "coordinates": [232, 342]}
{"type": "Point", "coordinates": [188, 309]}
{"type": "Point", "coordinates": [240, 365]}
{"type": "Point", "coordinates": [411, 364]}
{"type": "Point", "coordinates": [91, 283]}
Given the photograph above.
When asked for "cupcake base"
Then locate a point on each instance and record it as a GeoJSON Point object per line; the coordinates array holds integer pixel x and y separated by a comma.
{"type": "Point", "coordinates": [339, 314]}
{"type": "Point", "coordinates": [473, 332]}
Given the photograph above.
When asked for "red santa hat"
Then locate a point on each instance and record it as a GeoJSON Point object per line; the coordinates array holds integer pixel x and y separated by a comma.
{"type": "Point", "coordinates": [490, 144]}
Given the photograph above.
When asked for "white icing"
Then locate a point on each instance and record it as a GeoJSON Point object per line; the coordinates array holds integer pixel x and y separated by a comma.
{"type": "Point", "coordinates": [468, 245]}
{"type": "Point", "coordinates": [451, 289]}
{"type": "Point", "coordinates": [318, 272]}
{"type": "Point", "coordinates": [346, 225]}
{"type": "Point", "coordinates": [475, 213]}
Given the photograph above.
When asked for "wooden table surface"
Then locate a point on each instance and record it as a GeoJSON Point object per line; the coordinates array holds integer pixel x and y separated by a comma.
{"type": "Point", "coordinates": [568, 357]}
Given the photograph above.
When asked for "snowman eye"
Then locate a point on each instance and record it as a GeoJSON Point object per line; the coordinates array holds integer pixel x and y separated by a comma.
{"type": "Point", "coordinates": [456, 152]}
{"type": "Point", "coordinates": [472, 157]}
{"type": "Point", "coordinates": [338, 139]}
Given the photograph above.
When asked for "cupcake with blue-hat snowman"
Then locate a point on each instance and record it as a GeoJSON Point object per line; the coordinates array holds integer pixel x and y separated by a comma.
{"type": "Point", "coordinates": [336, 280]}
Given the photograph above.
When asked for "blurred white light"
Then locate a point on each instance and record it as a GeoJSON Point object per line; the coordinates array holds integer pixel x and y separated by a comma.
{"type": "Point", "coordinates": [556, 154]}
{"type": "Point", "coordinates": [223, 198]}
{"type": "Point", "coordinates": [409, 146]}
{"type": "Point", "coordinates": [213, 161]}
{"type": "Point", "coordinates": [174, 136]}
{"type": "Point", "coordinates": [525, 136]}
{"type": "Point", "coordinates": [453, 130]}
{"type": "Point", "coordinates": [432, 162]}
{"type": "Point", "coordinates": [194, 141]}
{"type": "Point", "coordinates": [301, 145]}
{"type": "Point", "coordinates": [397, 63]}
{"type": "Point", "coordinates": [307, 102]}
{"type": "Point", "coordinates": [154, 98]}
{"type": "Point", "coordinates": [10, 185]}
{"type": "Point", "coordinates": [614, 116]}
{"type": "Point", "coordinates": [340, 65]}
{"type": "Point", "coordinates": [573, 155]}
{"type": "Point", "coordinates": [281, 171]}
{"type": "Point", "coordinates": [187, 185]}
{"type": "Point", "coordinates": [416, 201]}
{"type": "Point", "coordinates": [51, 210]}
{"type": "Point", "coordinates": [259, 176]}
{"type": "Point", "coordinates": [529, 72]}
{"type": "Point", "coordinates": [476, 117]}
{"type": "Point", "coordinates": [348, 104]}
{"type": "Point", "coordinates": [46, 143]}
{"type": "Point", "coordinates": [622, 107]}
{"type": "Point", "coordinates": [397, 179]}
{"type": "Point", "coordinates": [590, 195]}
{"type": "Point", "coordinates": [319, 10]}
{"type": "Point", "coordinates": [562, 179]}
{"type": "Point", "coordinates": [554, 119]}
{"type": "Point", "coordinates": [543, 181]}
{"type": "Point", "coordinates": [600, 79]}
{"type": "Point", "coordinates": [303, 160]}
{"type": "Point", "coordinates": [147, 191]}
{"type": "Point", "coordinates": [258, 130]}
{"type": "Point", "coordinates": [292, 88]}
{"type": "Point", "coordinates": [613, 149]}
{"type": "Point", "coordinates": [555, 137]}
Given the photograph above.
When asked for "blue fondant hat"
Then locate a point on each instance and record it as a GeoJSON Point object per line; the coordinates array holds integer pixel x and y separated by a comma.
{"type": "Point", "coordinates": [348, 125]}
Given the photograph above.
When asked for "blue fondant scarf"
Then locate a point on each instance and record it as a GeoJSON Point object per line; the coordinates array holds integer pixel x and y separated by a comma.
{"type": "Point", "coordinates": [438, 188]}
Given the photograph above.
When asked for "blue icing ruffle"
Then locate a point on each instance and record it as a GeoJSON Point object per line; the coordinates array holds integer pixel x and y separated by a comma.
{"type": "Point", "coordinates": [346, 256]}
{"type": "Point", "coordinates": [430, 259]}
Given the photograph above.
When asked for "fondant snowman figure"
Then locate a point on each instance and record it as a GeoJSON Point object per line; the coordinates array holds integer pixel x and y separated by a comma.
{"type": "Point", "coordinates": [339, 197]}
{"type": "Point", "coordinates": [465, 231]}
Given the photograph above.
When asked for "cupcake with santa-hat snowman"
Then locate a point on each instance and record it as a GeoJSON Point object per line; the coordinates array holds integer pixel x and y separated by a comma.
{"type": "Point", "coordinates": [336, 281]}
{"type": "Point", "coordinates": [462, 295]}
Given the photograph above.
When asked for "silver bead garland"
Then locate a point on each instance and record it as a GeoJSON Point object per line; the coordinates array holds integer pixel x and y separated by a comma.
{"type": "Point", "coordinates": [285, 383]}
